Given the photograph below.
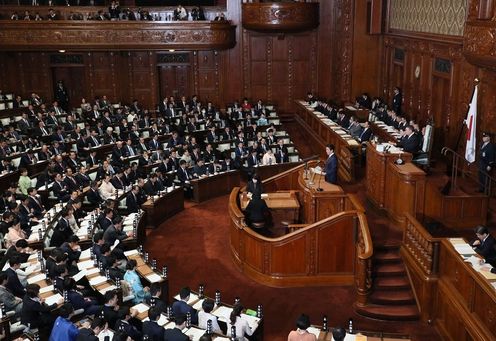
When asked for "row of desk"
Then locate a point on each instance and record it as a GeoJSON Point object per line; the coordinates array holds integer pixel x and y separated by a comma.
{"type": "Point", "coordinates": [325, 131]}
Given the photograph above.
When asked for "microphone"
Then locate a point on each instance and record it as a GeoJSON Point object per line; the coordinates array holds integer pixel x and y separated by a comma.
{"type": "Point", "coordinates": [313, 157]}
{"type": "Point", "coordinates": [319, 189]}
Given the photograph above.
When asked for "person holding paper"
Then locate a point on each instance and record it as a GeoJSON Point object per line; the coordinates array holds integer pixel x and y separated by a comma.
{"type": "Point", "coordinates": [35, 312]}
{"type": "Point", "coordinates": [301, 333]}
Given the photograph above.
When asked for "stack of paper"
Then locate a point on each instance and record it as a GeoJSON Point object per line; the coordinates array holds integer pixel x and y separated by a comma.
{"type": "Point", "coordinates": [163, 320]}
{"type": "Point", "coordinates": [315, 331]}
{"type": "Point", "coordinates": [194, 333]}
{"type": "Point", "coordinates": [91, 271]}
{"type": "Point", "coordinates": [104, 290]}
{"type": "Point", "coordinates": [85, 254]}
{"type": "Point", "coordinates": [85, 265]}
{"type": "Point", "coordinates": [48, 288]}
{"type": "Point", "coordinates": [131, 253]}
{"type": "Point", "coordinates": [198, 305]}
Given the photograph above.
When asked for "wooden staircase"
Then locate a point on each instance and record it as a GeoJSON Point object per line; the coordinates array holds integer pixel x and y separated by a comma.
{"type": "Point", "coordinates": [392, 297]}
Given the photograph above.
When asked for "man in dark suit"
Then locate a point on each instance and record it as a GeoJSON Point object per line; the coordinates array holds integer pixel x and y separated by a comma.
{"type": "Point", "coordinates": [485, 244]}
{"type": "Point", "coordinates": [366, 133]}
{"type": "Point", "coordinates": [93, 195]}
{"type": "Point", "coordinates": [60, 189]}
{"type": "Point", "coordinates": [151, 327]}
{"type": "Point", "coordinates": [114, 232]}
{"type": "Point", "coordinates": [155, 298]}
{"type": "Point", "coordinates": [91, 160]}
{"type": "Point", "coordinates": [331, 165]}
{"type": "Point", "coordinates": [183, 173]}
{"type": "Point", "coordinates": [62, 231]}
{"type": "Point", "coordinates": [410, 141]}
{"type": "Point", "coordinates": [35, 203]}
{"type": "Point", "coordinates": [176, 333]}
{"type": "Point", "coordinates": [486, 160]}
{"type": "Point", "coordinates": [181, 307]}
{"type": "Point", "coordinates": [281, 152]}
{"type": "Point", "coordinates": [91, 333]}
{"type": "Point", "coordinates": [13, 282]}
{"type": "Point", "coordinates": [133, 200]}
{"type": "Point", "coordinates": [152, 186]}
{"type": "Point", "coordinates": [397, 100]}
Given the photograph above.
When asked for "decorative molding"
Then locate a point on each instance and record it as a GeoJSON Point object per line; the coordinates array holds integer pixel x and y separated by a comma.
{"type": "Point", "coordinates": [173, 58]}
{"type": "Point", "coordinates": [106, 36]}
{"type": "Point", "coordinates": [280, 16]}
{"type": "Point", "coordinates": [430, 16]}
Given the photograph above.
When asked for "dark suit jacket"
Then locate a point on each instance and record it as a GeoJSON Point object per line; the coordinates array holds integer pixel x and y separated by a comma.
{"type": "Point", "coordinates": [94, 197]}
{"type": "Point", "coordinates": [487, 249]}
{"type": "Point", "coordinates": [285, 156]}
{"type": "Point", "coordinates": [132, 203]}
{"type": "Point", "coordinates": [486, 156]}
{"type": "Point", "coordinates": [175, 335]}
{"type": "Point", "coordinates": [256, 211]}
{"type": "Point", "coordinates": [13, 283]}
{"type": "Point", "coordinates": [254, 188]}
{"type": "Point", "coordinates": [86, 334]}
{"type": "Point", "coordinates": [35, 313]}
{"type": "Point", "coordinates": [365, 135]}
{"type": "Point", "coordinates": [181, 174]}
{"type": "Point", "coordinates": [153, 330]}
{"type": "Point", "coordinates": [410, 143]}
{"type": "Point", "coordinates": [331, 169]}
{"type": "Point", "coordinates": [111, 234]}
{"type": "Point", "coordinates": [182, 308]}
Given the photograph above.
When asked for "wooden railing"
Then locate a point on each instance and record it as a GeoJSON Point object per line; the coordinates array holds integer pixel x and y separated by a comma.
{"type": "Point", "coordinates": [421, 245]}
{"type": "Point", "coordinates": [364, 252]}
{"type": "Point", "coordinates": [420, 252]}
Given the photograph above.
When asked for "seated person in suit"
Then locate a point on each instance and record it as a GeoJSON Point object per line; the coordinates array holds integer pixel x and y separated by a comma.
{"type": "Point", "coordinates": [127, 324]}
{"type": "Point", "coordinates": [106, 189]}
{"type": "Point", "coordinates": [35, 312]}
{"type": "Point", "coordinates": [338, 334]}
{"type": "Point", "coordinates": [13, 283]}
{"type": "Point", "coordinates": [20, 249]}
{"type": "Point", "coordinates": [331, 165]}
{"type": "Point", "coordinates": [77, 299]}
{"type": "Point", "coordinates": [485, 244]}
{"type": "Point", "coordinates": [206, 314]}
{"type": "Point", "coordinates": [183, 173]}
{"type": "Point", "coordinates": [155, 299]}
{"type": "Point", "coordinates": [257, 210]}
{"type": "Point", "coordinates": [181, 307]}
{"type": "Point", "coordinates": [301, 333]}
{"type": "Point", "coordinates": [90, 331]}
{"type": "Point", "coordinates": [93, 194]}
{"type": "Point", "coordinates": [62, 231]}
{"type": "Point", "coordinates": [133, 200]}
{"type": "Point", "coordinates": [11, 302]}
{"type": "Point", "coordinates": [114, 232]}
{"type": "Point", "coordinates": [110, 311]}
{"type": "Point", "coordinates": [200, 169]}
{"type": "Point", "coordinates": [152, 186]}
{"type": "Point", "coordinates": [254, 186]}
{"type": "Point", "coordinates": [366, 133]}
{"type": "Point", "coordinates": [281, 152]}
{"type": "Point", "coordinates": [176, 333]}
{"type": "Point", "coordinates": [114, 268]}
{"type": "Point", "coordinates": [151, 327]}
{"type": "Point", "coordinates": [59, 188]}
{"type": "Point", "coordinates": [410, 141]}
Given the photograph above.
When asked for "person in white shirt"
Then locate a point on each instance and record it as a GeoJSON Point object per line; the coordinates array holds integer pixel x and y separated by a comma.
{"type": "Point", "coordinates": [106, 189]}
{"type": "Point", "coordinates": [269, 158]}
{"type": "Point", "coordinates": [242, 326]}
{"type": "Point", "coordinates": [205, 315]}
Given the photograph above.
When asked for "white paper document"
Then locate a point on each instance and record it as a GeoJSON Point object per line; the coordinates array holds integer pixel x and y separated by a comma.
{"type": "Point", "coordinates": [194, 333]}
{"type": "Point", "coordinates": [130, 253]}
{"type": "Point", "coordinates": [86, 264]}
{"type": "Point", "coordinates": [104, 290]}
{"type": "Point", "coordinates": [98, 280]}
{"type": "Point", "coordinates": [46, 289]}
{"type": "Point", "coordinates": [253, 321]}
{"type": "Point", "coordinates": [223, 313]}
{"type": "Point", "coordinates": [314, 331]}
{"type": "Point", "coordinates": [192, 298]}
{"type": "Point", "coordinates": [464, 249]}
{"type": "Point", "coordinates": [53, 299]}
{"type": "Point", "coordinates": [153, 278]}
{"type": "Point", "coordinates": [141, 308]}
{"type": "Point", "coordinates": [36, 278]}
{"type": "Point", "coordinates": [79, 275]}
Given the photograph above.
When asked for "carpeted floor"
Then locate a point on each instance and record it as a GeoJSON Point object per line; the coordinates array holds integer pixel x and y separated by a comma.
{"type": "Point", "coordinates": [195, 246]}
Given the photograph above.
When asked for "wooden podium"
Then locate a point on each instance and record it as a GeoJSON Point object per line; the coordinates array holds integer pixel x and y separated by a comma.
{"type": "Point", "coordinates": [405, 187]}
{"type": "Point", "coordinates": [377, 173]}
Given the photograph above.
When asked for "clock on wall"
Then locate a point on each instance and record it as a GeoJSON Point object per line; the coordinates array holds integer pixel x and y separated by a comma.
{"type": "Point", "coordinates": [417, 71]}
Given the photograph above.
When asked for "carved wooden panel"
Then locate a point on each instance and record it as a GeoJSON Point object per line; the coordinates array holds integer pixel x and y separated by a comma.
{"type": "Point", "coordinates": [116, 35]}
{"type": "Point", "coordinates": [331, 258]}
{"type": "Point", "coordinates": [280, 17]}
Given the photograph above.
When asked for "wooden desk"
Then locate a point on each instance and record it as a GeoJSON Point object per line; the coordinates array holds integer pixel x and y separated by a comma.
{"type": "Point", "coordinates": [324, 131]}
{"type": "Point", "coordinates": [377, 173]}
{"type": "Point", "coordinates": [268, 171]}
{"type": "Point", "coordinates": [284, 206]}
{"type": "Point", "coordinates": [466, 300]}
{"type": "Point", "coordinates": [404, 192]}
{"type": "Point", "coordinates": [214, 185]}
{"type": "Point", "coordinates": [163, 207]}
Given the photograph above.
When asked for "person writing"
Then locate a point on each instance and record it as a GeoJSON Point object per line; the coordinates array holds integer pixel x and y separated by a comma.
{"type": "Point", "coordinates": [254, 186]}
{"type": "Point", "coordinates": [257, 210]}
{"type": "Point", "coordinates": [485, 245]}
{"type": "Point", "coordinates": [301, 333]}
{"type": "Point", "coordinates": [331, 165]}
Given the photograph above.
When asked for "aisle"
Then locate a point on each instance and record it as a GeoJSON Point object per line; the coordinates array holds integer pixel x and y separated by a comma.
{"type": "Point", "coordinates": [195, 246]}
